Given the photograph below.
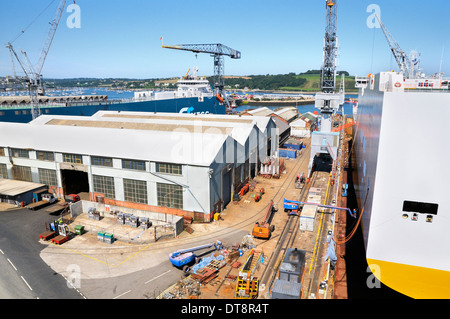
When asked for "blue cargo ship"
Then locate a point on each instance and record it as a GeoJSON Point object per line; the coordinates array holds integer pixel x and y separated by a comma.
{"type": "Point", "coordinates": [194, 95]}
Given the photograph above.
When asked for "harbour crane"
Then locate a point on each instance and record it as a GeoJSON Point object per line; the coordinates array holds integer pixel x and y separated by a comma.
{"type": "Point", "coordinates": [328, 100]}
{"type": "Point", "coordinates": [328, 76]}
{"type": "Point", "coordinates": [218, 52]}
{"type": "Point", "coordinates": [407, 66]}
{"type": "Point", "coordinates": [33, 74]}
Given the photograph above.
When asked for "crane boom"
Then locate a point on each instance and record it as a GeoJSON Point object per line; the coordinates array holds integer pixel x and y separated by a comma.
{"type": "Point", "coordinates": [13, 53]}
{"type": "Point", "coordinates": [183, 251]}
{"type": "Point", "coordinates": [399, 54]}
{"type": "Point", "coordinates": [33, 74]}
{"type": "Point", "coordinates": [217, 48]}
{"type": "Point", "coordinates": [53, 26]}
{"type": "Point", "coordinates": [292, 204]}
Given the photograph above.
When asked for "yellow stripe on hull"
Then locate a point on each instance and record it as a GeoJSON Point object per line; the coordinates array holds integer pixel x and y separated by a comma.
{"type": "Point", "coordinates": [412, 281]}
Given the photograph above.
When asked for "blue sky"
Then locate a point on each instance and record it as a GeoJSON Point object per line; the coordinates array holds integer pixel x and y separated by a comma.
{"type": "Point", "coordinates": [121, 38]}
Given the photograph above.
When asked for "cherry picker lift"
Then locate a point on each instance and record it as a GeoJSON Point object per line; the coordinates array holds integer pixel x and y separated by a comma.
{"type": "Point", "coordinates": [185, 257]}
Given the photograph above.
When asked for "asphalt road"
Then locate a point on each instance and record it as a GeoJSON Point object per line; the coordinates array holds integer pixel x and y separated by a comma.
{"type": "Point", "coordinates": [149, 283]}
{"type": "Point", "coordinates": [23, 274]}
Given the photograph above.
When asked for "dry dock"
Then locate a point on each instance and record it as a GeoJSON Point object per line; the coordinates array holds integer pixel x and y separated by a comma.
{"type": "Point", "coordinates": [135, 250]}
{"type": "Point", "coordinates": [319, 279]}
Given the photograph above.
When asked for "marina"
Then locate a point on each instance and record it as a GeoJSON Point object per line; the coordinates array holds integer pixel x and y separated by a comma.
{"type": "Point", "coordinates": [197, 187]}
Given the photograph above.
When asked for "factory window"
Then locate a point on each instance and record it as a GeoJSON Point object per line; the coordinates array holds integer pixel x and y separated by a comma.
{"type": "Point", "coordinates": [3, 171]}
{"type": "Point", "coordinates": [135, 191]}
{"type": "Point", "coordinates": [166, 168]}
{"type": "Point", "coordinates": [22, 173]}
{"type": "Point", "coordinates": [45, 156]}
{"type": "Point", "coordinates": [101, 161]}
{"type": "Point", "coordinates": [72, 158]}
{"type": "Point", "coordinates": [170, 195]}
{"type": "Point", "coordinates": [2, 151]}
{"type": "Point", "coordinates": [48, 177]}
{"type": "Point", "coordinates": [104, 185]}
{"type": "Point", "coordinates": [17, 152]}
{"type": "Point", "coordinates": [132, 164]}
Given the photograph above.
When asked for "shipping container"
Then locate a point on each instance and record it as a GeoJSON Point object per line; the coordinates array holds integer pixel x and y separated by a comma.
{"type": "Point", "coordinates": [287, 153]}
{"type": "Point", "coordinates": [307, 217]}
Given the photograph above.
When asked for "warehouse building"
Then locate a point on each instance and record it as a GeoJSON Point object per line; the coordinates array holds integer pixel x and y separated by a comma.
{"type": "Point", "coordinates": [304, 125]}
{"type": "Point", "coordinates": [19, 192]}
{"type": "Point", "coordinates": [180, 164]}
{"type": "Point", "coordinates": [282, 124]}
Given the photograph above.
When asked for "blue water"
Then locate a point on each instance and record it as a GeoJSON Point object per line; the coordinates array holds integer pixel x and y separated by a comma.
{"type": "Point", "coordinates": [129, 94]}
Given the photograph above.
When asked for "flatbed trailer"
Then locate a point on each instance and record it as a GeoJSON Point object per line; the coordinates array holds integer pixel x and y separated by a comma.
{"type": "Point", "coordinates": [38, 205]}
{"type": "Point", "coordinates": [47, 235]}
{"type": "Point", "coordinates": [60, 239]}
{"type": "Point", "coordinates": [57, 207]}
{"type": "Point", "coordinates": [46, 200]}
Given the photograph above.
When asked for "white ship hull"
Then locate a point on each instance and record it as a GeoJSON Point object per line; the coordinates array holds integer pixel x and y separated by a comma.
{"type": "Point", "coordinates": [402, 154]}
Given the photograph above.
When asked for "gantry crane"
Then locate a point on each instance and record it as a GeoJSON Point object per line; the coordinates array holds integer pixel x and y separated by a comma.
{"type": "Point", "coordinates": [217, 51]}
{"type": "Point", "coordinates": [33, 76]}
{"type": "Point", "coordinates": [406, 66]}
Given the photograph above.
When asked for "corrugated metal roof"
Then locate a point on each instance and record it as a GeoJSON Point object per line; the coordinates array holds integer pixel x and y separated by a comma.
{"type": "Point", "coordinates": [287, 113]}
{"type": "Point", "coordinates": [310, 116]}
{"type": "Point", "coordinates": [160, 146]}
{"type": "Point", "coordinates": [11, 187]}
{"type": "Point", "coordinates": [134, 135]}
{"type": "Point", "coordinates": [262, 111]}
{"type": "Point", "coordinates": [260, 121]}
{"type": "Point", "coordinates": [239, 131]}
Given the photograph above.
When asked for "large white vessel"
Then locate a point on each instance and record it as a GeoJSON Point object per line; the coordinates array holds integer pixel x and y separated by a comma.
{"type": "Point", "coordinates": [188, 86]}
{"type": "Point", "coordinates": [401, 145]}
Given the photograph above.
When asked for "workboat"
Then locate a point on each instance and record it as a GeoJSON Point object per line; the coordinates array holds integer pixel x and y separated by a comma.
{"type": "Point", "coordinates": [401, 179]}
{"type": "Point", "coordinates": [193, 95]}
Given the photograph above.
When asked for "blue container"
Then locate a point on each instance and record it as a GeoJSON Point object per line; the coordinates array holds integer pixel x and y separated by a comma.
{"type": "Point", "coordinates": [287, 153]}
{"type": "Point", "coordinates": [292, 146]}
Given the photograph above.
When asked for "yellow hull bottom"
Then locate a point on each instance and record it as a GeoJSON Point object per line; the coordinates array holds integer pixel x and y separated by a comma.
{"type": "Point", "coordinates": [412, 281]}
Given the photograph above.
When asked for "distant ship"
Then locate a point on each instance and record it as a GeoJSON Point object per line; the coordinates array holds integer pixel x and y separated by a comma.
{"type": "Point", "coordinates": [193, 95]}
{"type": "Point", "coordinates": [401, 181]}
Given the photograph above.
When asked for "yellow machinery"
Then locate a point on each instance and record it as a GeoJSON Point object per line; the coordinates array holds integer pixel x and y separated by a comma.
{"type": "Point", "coordinates": [247, 285]}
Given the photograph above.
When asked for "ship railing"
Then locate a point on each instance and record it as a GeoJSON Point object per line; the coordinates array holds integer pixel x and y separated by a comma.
{"type": "Point", "coordinates": [28, 106]}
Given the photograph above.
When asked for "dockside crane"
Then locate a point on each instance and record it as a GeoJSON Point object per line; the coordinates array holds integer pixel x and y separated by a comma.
{"type": "Point", "coordinates": [328, 72]}
{"type": "Point", "coordinates": [218, 52]}
{"type": "Point", "coordinates": [328, 100]}
{"type": "Point", "coordinates": [33, 74]}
